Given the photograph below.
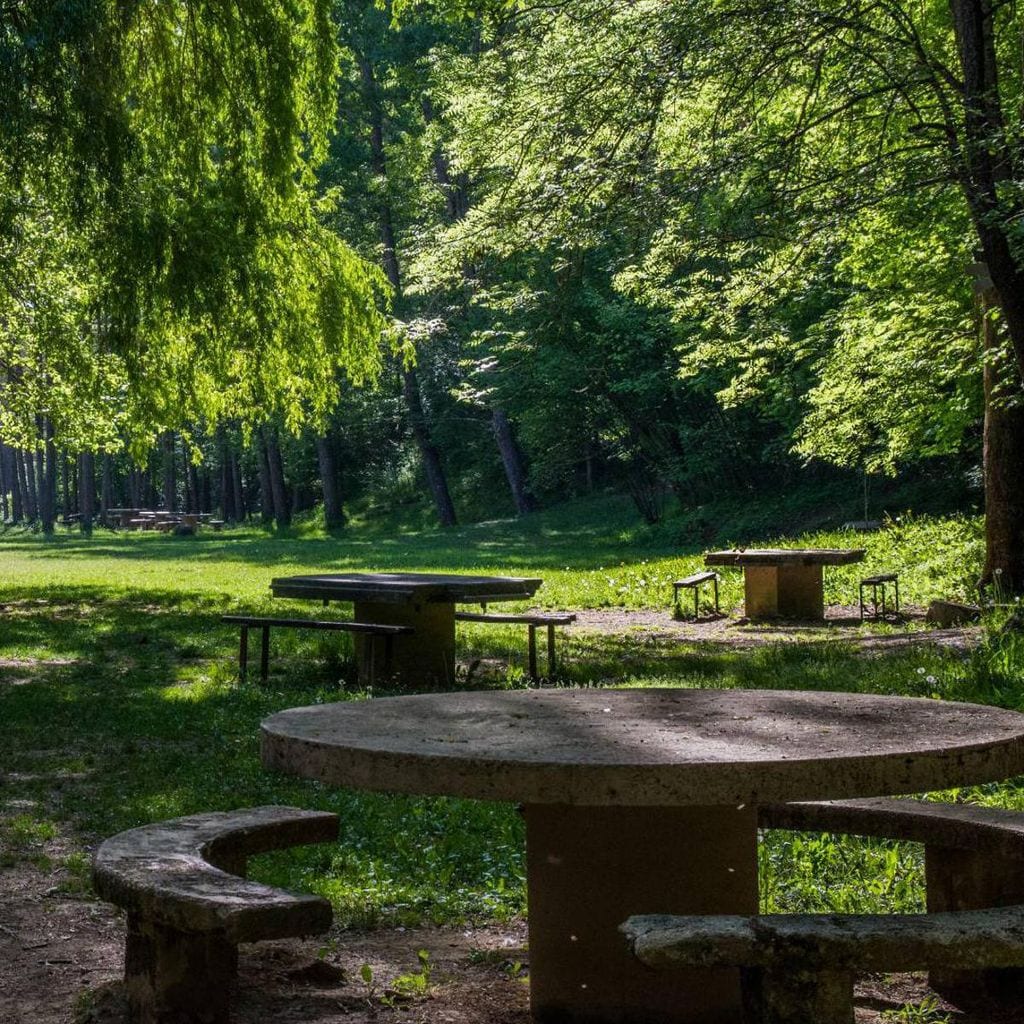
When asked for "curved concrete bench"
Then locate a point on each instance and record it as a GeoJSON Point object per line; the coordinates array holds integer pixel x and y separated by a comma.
{"type": "Point", "coordinates": [189, 904]}
{"type": "Point", "coordinates": [799, 968]}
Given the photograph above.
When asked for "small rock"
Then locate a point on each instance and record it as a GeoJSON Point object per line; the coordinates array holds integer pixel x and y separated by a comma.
{"type": "Point", "coordinates": [950, 613]}
{"type": "Point", "coordinates": [319, 973]}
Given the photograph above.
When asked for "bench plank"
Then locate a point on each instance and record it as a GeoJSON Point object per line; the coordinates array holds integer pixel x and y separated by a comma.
{"type": "Point", "coordinates": [531, 620]}
{"type": "Point", "coordinates": [266, 622]}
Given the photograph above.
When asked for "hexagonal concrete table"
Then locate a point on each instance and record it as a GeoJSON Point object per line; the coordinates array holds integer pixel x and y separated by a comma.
{"type": "Point", "coordinates": [784, 582]}
{"type": "Point", "coordinates": [641, 801]}
{"type": "Point", "coordinates": [423, 600]}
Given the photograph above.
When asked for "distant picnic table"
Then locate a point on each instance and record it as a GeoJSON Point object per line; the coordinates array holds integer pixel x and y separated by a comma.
{"type": "Point", "coordinates": [784, 582]}
{"type": "Point", "coordinates": [424, 601]}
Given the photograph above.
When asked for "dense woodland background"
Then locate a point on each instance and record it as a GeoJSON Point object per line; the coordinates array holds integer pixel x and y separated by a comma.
{"type": "Point", "coordinates": [261, 262]}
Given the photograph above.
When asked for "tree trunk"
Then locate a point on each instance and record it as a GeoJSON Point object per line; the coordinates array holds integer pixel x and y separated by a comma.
{"type": "Point", "coordinates": [106, 488]}
{"type": "Point", "coordinates": [170, 487]}
{"type": "Point", "coordinates": [512, 458]}
{"type": "Point", "coordinates": [457, 206]}
{"type": "Point", "coordinates": [282, 510]}
{"type": "Point", "coordinates": [32, 484]}
{"type": "Point", "coordinates": [1004, 464]}
{"type": "Point", "coordinates": [68, 498]}
{"type": "Point", "coordinates": [266, 491]}
{"type": "Point", "coordinates": [20, 501]}
{"type": "Point", "coordinates": [334, 513]}
{"type": "Point", "coordinates": [431, 457]}
{"type": "Point", "coordinates": [4, 506]}
{"type": "Point", "coordinates": [47, 456]}
{"type": "Point", "coordinates": [238, 491]}
{"type": "Point", "coordinates": [86, 490]}
{"type": "Point", "coordinates": [986, 162]}
{"type": "Point", "coordinates": [192, 481]}
{"type": "Point", "coordinates": [227, 487]}
{"type": "Point", "coordinates": [17, 488]}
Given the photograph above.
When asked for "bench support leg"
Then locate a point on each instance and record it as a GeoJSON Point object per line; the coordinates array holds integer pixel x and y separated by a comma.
{"type": "Point", "coordinates": [173, 976]}
{"type": "Point", "coordinates": [265, 654]}
{"type": "Point", "coordinates": [551, 651]}
{"type": "Point", "coordinates": [243, 654]}
{"type": "Point", "coordinates": [789, 995]}
{"type": "Point", "coordinates": [531, 651]}
{"type": "Point", "coordinates": [969, 880]}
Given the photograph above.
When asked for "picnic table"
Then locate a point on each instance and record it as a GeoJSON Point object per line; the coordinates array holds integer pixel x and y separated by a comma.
{"type": "Point", "coordinates": [424, 601]}
{"type": "Point", "coordinates": [641, 801]}
{"type": "Point", "coordinates": [784, 582]}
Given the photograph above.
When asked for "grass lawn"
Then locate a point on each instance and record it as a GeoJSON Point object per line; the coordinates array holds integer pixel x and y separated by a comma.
{"type": "Point", "coordinates": [119, 704]}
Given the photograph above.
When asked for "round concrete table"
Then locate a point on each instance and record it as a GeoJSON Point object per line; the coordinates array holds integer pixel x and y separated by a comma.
{"type": "Point", "coordinates": [424, 601]}
{"type": "Point", "coordinates": [641, 801]}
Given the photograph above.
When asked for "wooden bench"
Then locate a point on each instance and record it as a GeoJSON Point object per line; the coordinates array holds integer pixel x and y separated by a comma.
{"type": "Point", "coordinates": [532, 620]}
{"type": "Point", "coordinates": [189, 905]}
{"type": "Point", "coordinates": [694, 583]}
{"type": "Point", "coordinates": [876, 583]}
{"type": "Point", "coordinates": [799, 968]}
{"type": "Point", "coordinates": [266, 623]}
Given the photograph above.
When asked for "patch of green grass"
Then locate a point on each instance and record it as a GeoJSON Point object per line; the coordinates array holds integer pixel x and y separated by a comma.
{"type": "Point", "coordinates": [119, 703]}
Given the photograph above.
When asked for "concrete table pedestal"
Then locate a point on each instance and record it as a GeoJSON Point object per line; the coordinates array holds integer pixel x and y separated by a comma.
{"type": "Point", "coordinates": [641, 802]}
{"type": "Point", "coordinates": [426, 657]}
{"type": "Point", "coordinates": [587, 866]}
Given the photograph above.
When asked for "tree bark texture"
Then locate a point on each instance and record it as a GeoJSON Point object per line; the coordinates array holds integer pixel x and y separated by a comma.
{"type": "Point", "coordinates": [282, 508]}
{"type": "Point", "coordinates": [266, 490]}
{"type": "Point", "coordinates": [236, 486]}
{"type": "Point", "coordinates": [106, 488]}
{"type": "Point", "coordinates": [1004, 464]}
{"type": "Point", "coordinates": [47, 457]}
{"type": "Point", "coordinates": [512, 459]}
{"type": "Point", "coordinates": [429, 453]}
{"type": "Point", "coordinates": [987, 162]}
{"type": "Point", "coordinates": [86, 491]}
{"type": "Point", "coordinates": [170, 487]}
{"type": "Point", "coordinates": [5, 509]}
{"type": "Point", "coordinates": [334, 513]}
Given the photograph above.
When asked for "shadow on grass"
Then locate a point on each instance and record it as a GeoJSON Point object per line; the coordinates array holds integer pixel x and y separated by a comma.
{"type": "Point", "coordinates": [123, 708]}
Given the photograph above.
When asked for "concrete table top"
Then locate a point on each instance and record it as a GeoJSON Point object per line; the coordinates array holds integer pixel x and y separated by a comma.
{"type": "Point", "coordinates": [647, 747]}
{"type": "Point", "coordinates": [786, 556]}
{"type": "Point", "coordinates": [405, 586]}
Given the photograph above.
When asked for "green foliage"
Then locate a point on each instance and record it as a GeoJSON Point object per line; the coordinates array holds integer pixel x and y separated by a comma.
{"type": "Point", "coordinates": [163, 252]}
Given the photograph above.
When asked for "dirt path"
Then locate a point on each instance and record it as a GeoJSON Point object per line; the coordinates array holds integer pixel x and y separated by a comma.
{"type": "Point", "coordinates": [842, 625]}
{"type": "Point", "coordinates": [61, 961]}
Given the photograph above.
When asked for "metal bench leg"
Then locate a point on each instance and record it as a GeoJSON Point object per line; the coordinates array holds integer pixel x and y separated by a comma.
{"type": "Point", "coordinates": [243, 654]}
{"type": "Point", "coordinates": [389, 650]}
{"type": "Point", "coordinates": [861, 592]}
{"type": "Point", "coordinates": [551, 650]}
{"type": "Point", "coordinates": [371, 659]}
{"type": "Point", "coordinates": [715, 583]}
{"type": "Point", "coordinates": [265, 654]}
{"type": "Point", "coordinates": [532, 650]}
{"type": "Point", "coordinates": [896, 587]}
{"type": "Point", "coordinates": [696, 602]}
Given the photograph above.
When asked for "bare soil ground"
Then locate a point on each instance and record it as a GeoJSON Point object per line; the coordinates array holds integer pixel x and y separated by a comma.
{"type": "Point", "coordinates": [62, 958]}
{"type": "Point", "coordinates": [842, 624]}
